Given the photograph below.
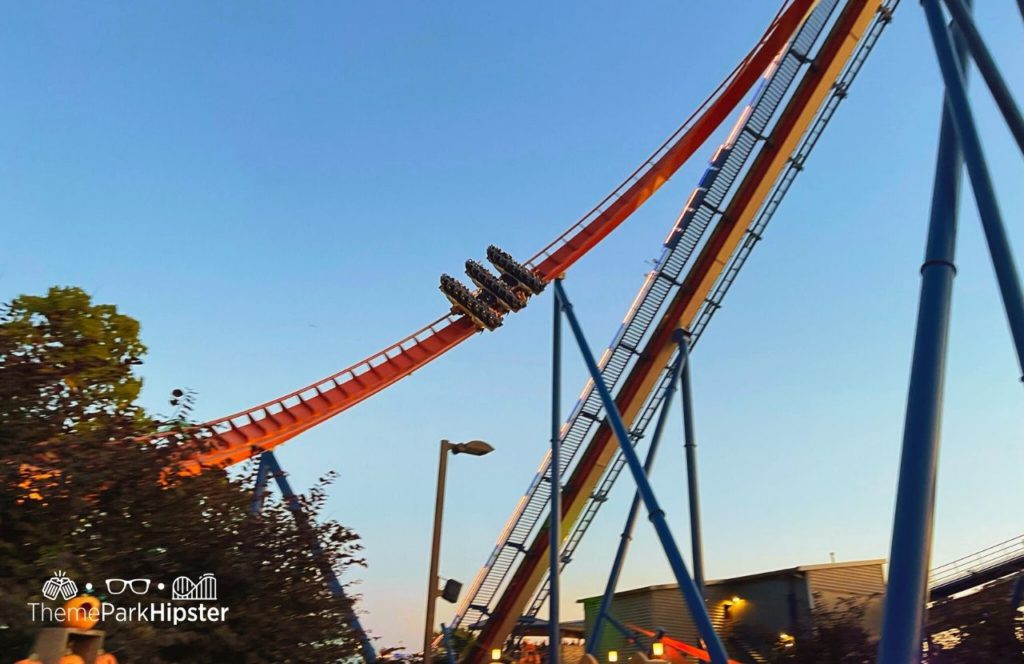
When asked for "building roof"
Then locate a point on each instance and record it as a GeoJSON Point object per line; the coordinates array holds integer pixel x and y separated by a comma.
{"type": "Point", "coordinates": [787, 571]}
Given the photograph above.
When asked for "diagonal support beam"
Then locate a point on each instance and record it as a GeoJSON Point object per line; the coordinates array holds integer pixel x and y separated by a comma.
{"type": "Point", "coordinates": [981, 181]}
{"type": "Point", "coordinates": [988, 69]}
{"type": "Point", "coordinates": [273, 468]}
{"type": "Point", "coordinates": [604, 610]}
{"type": "Point", "coordinates": [687, 587]}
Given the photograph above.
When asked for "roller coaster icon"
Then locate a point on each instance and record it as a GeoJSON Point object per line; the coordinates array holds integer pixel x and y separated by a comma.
{"type": "Point", "coordinates": [203, 590]}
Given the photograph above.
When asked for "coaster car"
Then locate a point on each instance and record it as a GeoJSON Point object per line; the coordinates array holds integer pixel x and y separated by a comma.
{"type": "Point", "coordinates": [465, 301]}
{"type": "Point", "coordinates": [501, 293]}
{"type": "Point", "coordinates": [512, 269]}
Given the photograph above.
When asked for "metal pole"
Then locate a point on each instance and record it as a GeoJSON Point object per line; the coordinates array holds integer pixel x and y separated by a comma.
{"type": "Point", "coordinates": [1018, 592]}
{"type": "Point", "coordinates": [446, 633]}
{"type": "Point", "coordinates": [691, 596]}
{"type": "Point", "coordinates": [915, 500]}
{"type": "Point", "coordinates": [435, 553]}
{"type": "Point", "coordinates": [302, 521]}
{"type": "Point", "coordinates": [631, 635]}
{"type": "Point", "coordinates": [555, 527]}
{"type": "Point", "coordinates": [984, 195]}
{"type": "Point", "coordinates": [260, 491]}
{"type": "Point", "coordinates": [604, 610]}
{"type": "Point", "coordinates": [659, 634]}
{"type": "Point", "coordinates": [988, 69]}
{"type": "Point", "coordinates": [690, 445]}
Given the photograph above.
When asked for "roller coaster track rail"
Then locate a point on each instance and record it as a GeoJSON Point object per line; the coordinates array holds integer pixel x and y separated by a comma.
{"type": "Point", "coordinates": [978, 568]}
{"type": "Point", "coordinates": [714, 302]}
{"type": "Point", "coordinates": [701, 209]}
{"type": "Point", "coordinates": [236, 438]}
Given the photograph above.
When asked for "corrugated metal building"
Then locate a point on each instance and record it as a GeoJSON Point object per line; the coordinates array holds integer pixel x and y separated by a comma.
{"type": "Point", "coordinates": [750, 612]}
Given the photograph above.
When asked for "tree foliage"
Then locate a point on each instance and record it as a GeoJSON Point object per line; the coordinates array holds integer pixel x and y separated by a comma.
{"type": "Point", "coordinates": [838, 635]}
{"type": "Point", "coordinates": [80, 493]}
{"type": "Point", "coordinates": [982, 626]}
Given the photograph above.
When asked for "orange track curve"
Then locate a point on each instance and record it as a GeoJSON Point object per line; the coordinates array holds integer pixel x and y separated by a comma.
{"type": "Point", "coordinates": [238, 437]}
{"type": "Point", "coordinates": [676, 644]}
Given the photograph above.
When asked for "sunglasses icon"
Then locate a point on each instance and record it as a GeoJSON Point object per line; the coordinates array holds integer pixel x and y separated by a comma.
{"type": "Point", "coordinates": [118, 586]}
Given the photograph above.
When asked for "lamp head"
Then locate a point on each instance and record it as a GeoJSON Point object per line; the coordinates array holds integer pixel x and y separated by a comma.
{"type": "Point", "coordinates": [473, 448]}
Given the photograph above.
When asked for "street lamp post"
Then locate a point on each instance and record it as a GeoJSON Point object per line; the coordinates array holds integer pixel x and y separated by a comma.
{"type": "Point", "coordinates": [473, 448]}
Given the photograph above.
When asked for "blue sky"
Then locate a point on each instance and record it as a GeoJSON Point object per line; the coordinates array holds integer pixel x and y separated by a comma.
{"type": "Point", "coordinates": [273, 190]}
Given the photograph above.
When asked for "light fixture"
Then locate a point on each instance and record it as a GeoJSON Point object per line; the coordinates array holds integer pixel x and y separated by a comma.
{"type": "Point", "coordinates": [613, 656]}
{"type": "Point", "coordinates": [658, 649]}
{"type": "Point", "coordinates": [736, 599]}
{"type": "Point", "coordinates": [452, 588]}
{"type": "Point", "coordinates": [472, 448]}
{"type": "Point", "coordinates": [495, 652]}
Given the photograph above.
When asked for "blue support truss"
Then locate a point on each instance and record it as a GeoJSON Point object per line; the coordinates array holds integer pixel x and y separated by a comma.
{"type": "Point", "coordinates": [691, 595]}
{"type": "Point", "coordinates": [903, 632]}
{"type": "Point", "coordinates": [981, 180]}
{"type": "Point", "coordinates": [987, 68]}
{"type": "Point", "coordinates": [604, 609]}
{"type": "Point", "coordinates": [269, 467]}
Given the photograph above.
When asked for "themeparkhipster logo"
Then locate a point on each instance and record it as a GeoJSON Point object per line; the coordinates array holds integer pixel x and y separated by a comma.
{"type": "Point", "coordinates": [187, 602]}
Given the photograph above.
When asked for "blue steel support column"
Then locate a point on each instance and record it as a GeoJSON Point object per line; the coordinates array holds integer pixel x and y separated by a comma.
{"type": "Point", "coordinates": [915, 500]}
{"type": "Point", "coordinates": [369, 654]}
{"type": "Point", "coordinates": [631, 636]}
{"type": "Point", "coordinates": [691, 595]}
{"type": "Point", "coordinates": [447, 635]}
{"type": "Point", "coordinates": [555, 527]}
{"type": "Point", "coordinates": [1018, 592]}
{"type": "Point", "coordinates": [690, 445]}
{"type": "Point", "coordinates": [604, 610]}
{"type": "Point", "coordinates": [984, 194]}
{"type": "Point", "coordinates": [260, 490]}
{"type": "Point", "coordinates": [988, 69]}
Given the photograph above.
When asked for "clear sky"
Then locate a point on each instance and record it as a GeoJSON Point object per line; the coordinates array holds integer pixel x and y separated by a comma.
{"type": "Point", "coordinates": [273, 190]}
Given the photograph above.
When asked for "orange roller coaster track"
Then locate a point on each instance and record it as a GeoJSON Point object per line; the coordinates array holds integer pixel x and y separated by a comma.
{"type": "Point", "coordinates": [235, 438]}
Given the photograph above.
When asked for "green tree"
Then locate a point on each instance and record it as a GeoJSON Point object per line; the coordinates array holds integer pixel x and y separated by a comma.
{"type": "Point", "coordinates": [981, 626]}
{"type": "Point", "coordinates": [80, 493]}
{"type": "Point", "coordinates": [837, 635]}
